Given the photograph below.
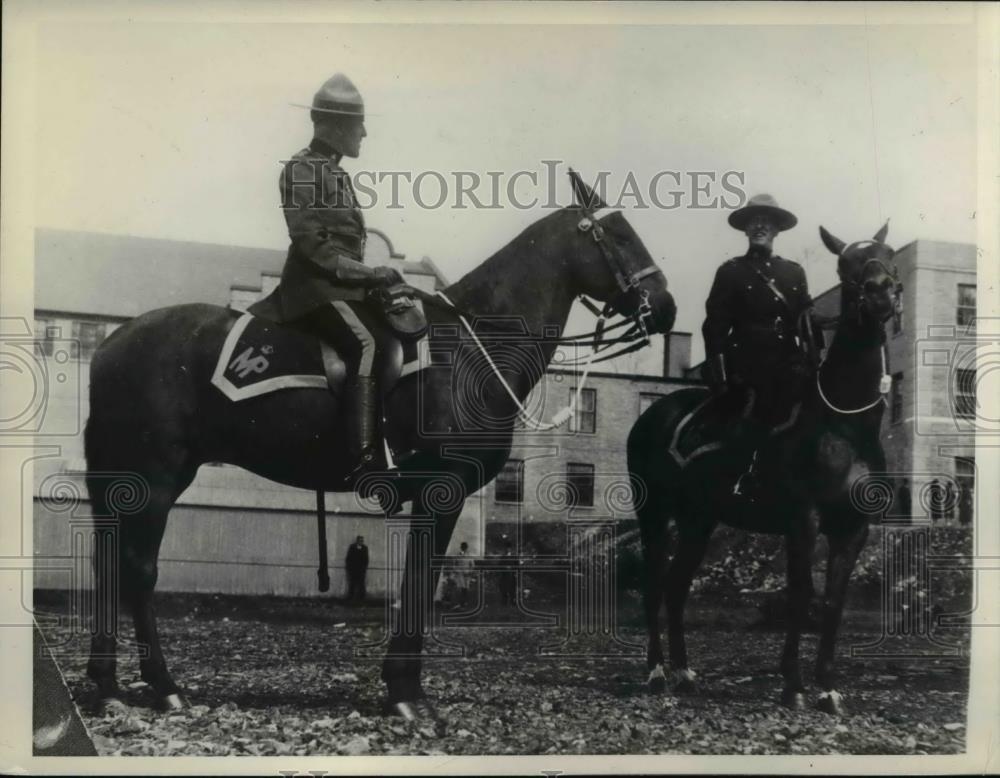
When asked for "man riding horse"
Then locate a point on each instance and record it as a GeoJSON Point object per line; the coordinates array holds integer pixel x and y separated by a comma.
{"type": "Point", "coordinates": [325, 284]}
{"type": "Point", "coordinates": [754, 349]}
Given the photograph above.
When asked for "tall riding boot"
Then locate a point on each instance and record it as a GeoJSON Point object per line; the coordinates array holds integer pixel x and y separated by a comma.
{"type": "Point", "coordinates": [363, 407]}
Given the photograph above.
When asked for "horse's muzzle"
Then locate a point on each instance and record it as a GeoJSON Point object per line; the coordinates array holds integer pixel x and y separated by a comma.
{"type": "Point", "coordinates": [663, 312]}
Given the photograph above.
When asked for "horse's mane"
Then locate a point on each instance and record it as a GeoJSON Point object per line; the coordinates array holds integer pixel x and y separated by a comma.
{"type": "Point", "coordinates": [500, 255]}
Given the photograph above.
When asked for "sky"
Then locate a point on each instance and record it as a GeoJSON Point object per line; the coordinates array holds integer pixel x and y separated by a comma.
{"type": "Point", "coordinates": [178, 130]}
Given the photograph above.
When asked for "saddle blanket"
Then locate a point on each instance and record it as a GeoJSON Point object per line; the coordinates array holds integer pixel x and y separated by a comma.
{"type": "Point", "coordinates": [259, 357]}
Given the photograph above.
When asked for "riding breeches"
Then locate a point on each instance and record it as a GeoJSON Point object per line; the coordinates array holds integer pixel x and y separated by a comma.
{"type": "Point", "coordinates": [356, 331]}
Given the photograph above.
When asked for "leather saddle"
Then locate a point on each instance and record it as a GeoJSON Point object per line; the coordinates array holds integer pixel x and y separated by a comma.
{"type": "Point", "coordinates": [708, 426]}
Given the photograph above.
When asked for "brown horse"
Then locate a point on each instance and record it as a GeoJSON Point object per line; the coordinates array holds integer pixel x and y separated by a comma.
{"type": "Point", "coordinates": [810, 473]}
{"type": "Point", "coordinates": [154, 414]}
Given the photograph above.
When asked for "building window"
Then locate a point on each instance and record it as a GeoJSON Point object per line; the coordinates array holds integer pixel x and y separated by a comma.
{"type": "Point", "coordinates": [966, 304]}
{"type": "Point", "coordinates": [965, 393]}
{"type": "Point", "coordinates": [896, 405]}
{"type": "Point", "coordinates": [580, 485]}
{"type": "Point", "coordinates": [87, 336]}
{"type": "Point", "coordinates": [646, 399]}
{"type": "Point", "coordinates": [585, 418]}
{"type": "Point", "coordinates": [46, 333]}
{"type": "Point", "coordinates": [897, 322]}
{"type": "Point", "coordinates": [509, 484]}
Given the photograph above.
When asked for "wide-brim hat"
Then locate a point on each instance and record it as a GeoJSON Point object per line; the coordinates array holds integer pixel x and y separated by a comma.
{"type": "Point", "coordinates": [762, 204]}
{"type": "Point", "coordinates": [338, 95]}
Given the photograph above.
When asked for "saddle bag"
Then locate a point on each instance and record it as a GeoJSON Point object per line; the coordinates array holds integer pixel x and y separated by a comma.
{"type": "Point", "coordinates": [404, 317]}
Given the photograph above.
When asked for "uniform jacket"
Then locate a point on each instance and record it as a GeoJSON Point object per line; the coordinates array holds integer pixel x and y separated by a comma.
{"type": "Point", "coordinates": [748, 323]}
{"type": "Point", "coordinates": [324, 224]}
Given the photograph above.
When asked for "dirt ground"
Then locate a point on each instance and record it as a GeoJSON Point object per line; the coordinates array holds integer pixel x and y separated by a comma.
{"type": "Point", "coordinates": [292, 677]}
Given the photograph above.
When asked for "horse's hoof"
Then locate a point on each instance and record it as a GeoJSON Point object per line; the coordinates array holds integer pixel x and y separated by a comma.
{"type": "Point", "coordinates": [685, 682]}
{"type": "Point", "coordinates": [172, 702]}
{"type": "Point", "coordinates": [686, 688]}
{"type": "Point", "coordinates": [793, 700]}
{"type": "Point", "coordinates": [657, 681]}
{"type": "Point", "coordinates": [832, 702]}
{"type": "Point", "coordinates": [413, 710]}
{"type": "Point", "coordinates": [112, 706]}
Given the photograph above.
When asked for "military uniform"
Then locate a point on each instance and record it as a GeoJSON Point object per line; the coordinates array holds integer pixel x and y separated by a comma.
{"type": "Point", "coordinates": [325, 226]}
{"type": "Point", "coordinates": [324, 283]}
{"type": "Point", "coordinates": [755, 330]}
{"type": "Point", "coordinates": [751, 330]}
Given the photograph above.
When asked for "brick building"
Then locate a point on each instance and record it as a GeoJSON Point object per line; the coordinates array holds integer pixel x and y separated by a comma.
{"type": "Point", "coordinates": [234, 532]}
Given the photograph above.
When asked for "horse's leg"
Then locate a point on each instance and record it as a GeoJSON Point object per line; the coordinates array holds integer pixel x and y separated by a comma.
{"type": "Point", "coordinates": [654, 551]}
{"type": "Point", "coordinates": [801, 541]}
{"type": "Point", "coordinates": [101, 668]}
{"type": "Point", "coordinates": [402, 666]}
{"type": "Point", "coordinates": [844, 550]}
{"type": "Point", "coordinates": [141, 537]}
{"type": "Point", "coordinates": [691, 547]}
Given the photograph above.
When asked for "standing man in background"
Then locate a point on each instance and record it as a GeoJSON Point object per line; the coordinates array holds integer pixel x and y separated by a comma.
{"type": "Point", "coordinates": [905, 500]}
{"type": "Point", "coordinates": [356, 564]}
{"type": "Point", "coordinates": [463, 574]}
{"type": "Point", "coordinates": [508, 577]}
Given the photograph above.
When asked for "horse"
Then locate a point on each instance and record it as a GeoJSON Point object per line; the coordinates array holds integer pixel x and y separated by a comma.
{"type": "Point", "coordinates": [155, 414]}
{"type": "Point", "coordinates": [811, 472]}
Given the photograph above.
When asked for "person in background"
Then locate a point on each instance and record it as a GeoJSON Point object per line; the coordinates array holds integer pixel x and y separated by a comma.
{"type": "Point", "coordinates": [965, 506]}
{"type": "Point", "coordinates": [508, 577]}
{"type": "Point", "coordinates": [949, 501]}
{"type": "Point", "coordinates": [935, 498]}
{"type": "Point", "coordinates": [356, 565]}
{"type": "Point", "coordinates": [463, 574]}
{"type": "Point", "coordinates": [904, 500]}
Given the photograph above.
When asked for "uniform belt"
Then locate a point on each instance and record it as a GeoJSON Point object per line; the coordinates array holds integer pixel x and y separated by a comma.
{"type": "Point", "coordinates": [778, 325]}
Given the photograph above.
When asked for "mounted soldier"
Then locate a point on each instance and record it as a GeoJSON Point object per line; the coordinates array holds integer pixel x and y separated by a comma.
{"type": "Point", "coordinates": [325, 285]}
{"type": "Point", "coordinates": [757, 330]}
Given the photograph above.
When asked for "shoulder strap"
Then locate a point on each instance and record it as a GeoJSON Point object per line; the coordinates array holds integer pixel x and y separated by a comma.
{"type": "Point", "coordinates": [772, 286]}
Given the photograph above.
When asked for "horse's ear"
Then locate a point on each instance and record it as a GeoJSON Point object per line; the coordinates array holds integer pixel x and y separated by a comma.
{"type": "Point", "coordinates": [836, 245]}
{"type": "Point", "coordinates": [583, 195]}
{"type": "Point", "coordinates": [880, 235]}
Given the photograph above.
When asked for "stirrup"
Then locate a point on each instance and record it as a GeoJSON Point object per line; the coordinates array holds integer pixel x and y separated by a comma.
{"type": "Point", "coordinates": [368, 463]}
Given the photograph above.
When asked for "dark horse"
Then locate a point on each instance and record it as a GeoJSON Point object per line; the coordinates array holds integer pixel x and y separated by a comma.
{"type": "Point", "coordinates": [154, 414]}
{"type": "Point", "coordinates": [810, 474]}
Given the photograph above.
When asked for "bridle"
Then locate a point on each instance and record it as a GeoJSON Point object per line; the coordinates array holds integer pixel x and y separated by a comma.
{"type": "Point", "coordinates": [885, 381]}
{"type": "Point", "coordinates": [628, 282]}
{"type": "Point", "coordinates": [856, 285]}
{"type": "Point", "coordinates": [637, 336]}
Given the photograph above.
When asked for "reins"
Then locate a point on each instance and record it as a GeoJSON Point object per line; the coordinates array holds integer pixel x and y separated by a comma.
{"type": "Point", "coordinates": [634, 338]}
{"type": "Point", "coordinates": [563, 415]}
{"type": "Point", "coordinates": [885, 385]}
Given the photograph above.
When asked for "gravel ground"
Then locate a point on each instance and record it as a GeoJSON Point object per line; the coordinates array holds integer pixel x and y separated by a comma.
{"type": "Point", "coordinates": [266, 677]}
